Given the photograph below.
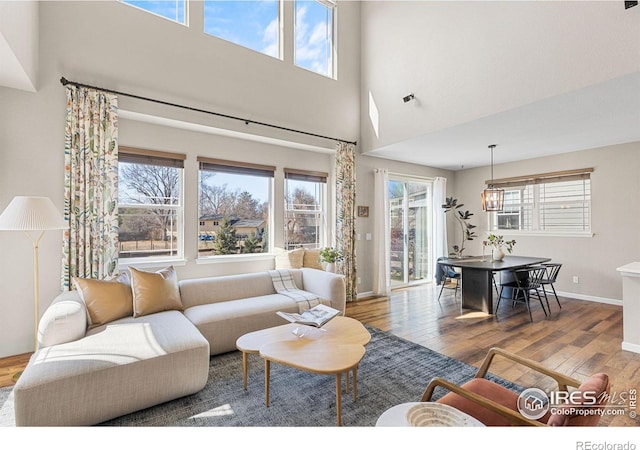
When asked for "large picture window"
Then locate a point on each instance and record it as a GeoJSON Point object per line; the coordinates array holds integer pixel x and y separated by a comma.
{"type": "Point", "coordinates": [305, 223]}
{"type": "Point", "coordinates": [557, 202]}
{"type": "Point", "coordinates": [234, 207]}
{"type": "Point", "coordinates": [150, 205]}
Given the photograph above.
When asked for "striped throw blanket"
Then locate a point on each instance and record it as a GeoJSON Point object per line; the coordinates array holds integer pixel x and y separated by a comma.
{"type": "Point", "coordinates": [284, 284]}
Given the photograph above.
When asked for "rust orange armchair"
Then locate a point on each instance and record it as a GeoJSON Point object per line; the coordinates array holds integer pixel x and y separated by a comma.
{"type": "Point", "coordinates": [495, 405]}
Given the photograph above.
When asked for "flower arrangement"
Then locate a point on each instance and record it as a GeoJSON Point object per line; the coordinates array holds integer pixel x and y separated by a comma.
{"type": "Point", "coordinates": [330, 255]}
{"type": "Point", "coordinates": [498, 242]}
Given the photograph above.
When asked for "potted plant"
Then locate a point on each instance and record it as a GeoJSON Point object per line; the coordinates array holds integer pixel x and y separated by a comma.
{"type": "Point", "coordinates": [330, 256]}
{"type": "Point", "coordinates": [463, 219]}
{"type": "Point", "coordinates": [498, 242]}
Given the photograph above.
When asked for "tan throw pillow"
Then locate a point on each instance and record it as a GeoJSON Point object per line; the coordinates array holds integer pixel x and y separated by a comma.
{"type": "Point", "coordinates": [312, 259]}
{"type": "Point", "coordinates": [155, 291]}
{"type": "Point", "coordinates": [106, 301]}
{"type": "Point", "coordinates": [290, 260]}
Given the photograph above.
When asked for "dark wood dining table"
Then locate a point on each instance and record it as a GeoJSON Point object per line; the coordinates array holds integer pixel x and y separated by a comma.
{"type": "Point", "coordinates": [477, 277]}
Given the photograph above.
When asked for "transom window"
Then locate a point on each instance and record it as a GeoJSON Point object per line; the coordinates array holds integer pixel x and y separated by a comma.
{"type": "Point", "coordinates": [557, 202]}
{"type": "Point", "coordinates": [252, 24]}
{"type": "Point", "coordinates": [174, 10]}
{"type": "Point", "coordinates": [314, 36]}
{"type": "Point", "coordinates": [234, 207]}
{"type": "Point", "coordinates": [150, 205]}
{"type": "Point", "coordinates": [305, 223]}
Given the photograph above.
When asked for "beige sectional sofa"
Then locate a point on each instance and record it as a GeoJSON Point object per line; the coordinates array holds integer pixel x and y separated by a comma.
{"type": "Point", "coordinates": [85, 374]}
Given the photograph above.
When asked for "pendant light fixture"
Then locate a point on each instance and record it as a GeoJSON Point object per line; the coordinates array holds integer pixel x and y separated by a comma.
{"type": "Point", "coordinates": [492, 197]}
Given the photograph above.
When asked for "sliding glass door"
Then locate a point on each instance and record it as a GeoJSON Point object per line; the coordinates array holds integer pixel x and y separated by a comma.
{"type": "Point", "coordinates": [409, 223]}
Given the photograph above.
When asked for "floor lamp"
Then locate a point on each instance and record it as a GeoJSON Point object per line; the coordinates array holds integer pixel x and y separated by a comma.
{"type": "Point", "coordinates": [32, 214]}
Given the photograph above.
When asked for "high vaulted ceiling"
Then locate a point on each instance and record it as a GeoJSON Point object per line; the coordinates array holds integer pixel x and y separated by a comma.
{"type": "Point", "coordinates": [597, 116]}
{"type": "Point", "coordinates": [534, 78]}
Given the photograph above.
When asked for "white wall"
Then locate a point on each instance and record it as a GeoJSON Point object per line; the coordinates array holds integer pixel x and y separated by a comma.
{"type": "Point", "coordinates": [19, 44]}
{"type": "Point", "coordinates": [615, 218]}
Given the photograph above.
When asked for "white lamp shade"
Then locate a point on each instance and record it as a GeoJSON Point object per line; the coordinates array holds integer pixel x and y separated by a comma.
{"type": "Point", "coordinates": [31, 214]}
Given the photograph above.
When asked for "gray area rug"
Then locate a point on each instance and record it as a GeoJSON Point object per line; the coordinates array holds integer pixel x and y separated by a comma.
{"type": "Point", "coordinates": [393, 371]}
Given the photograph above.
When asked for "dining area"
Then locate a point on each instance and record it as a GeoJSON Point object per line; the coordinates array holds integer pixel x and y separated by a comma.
{"type": "Point", "coordinates": [516, 279]}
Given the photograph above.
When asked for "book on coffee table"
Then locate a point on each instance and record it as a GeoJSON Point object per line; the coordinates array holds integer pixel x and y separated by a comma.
{"type": "Point", "coordinates": [315, 317]}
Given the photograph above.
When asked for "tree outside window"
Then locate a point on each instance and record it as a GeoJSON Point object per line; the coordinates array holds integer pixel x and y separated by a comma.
{"type": "Point", "coordinates": [234, 209]}
{"type": "Point", "coordinates": [304, 211]}
{"type": "Point", "coordinates": [149, 207]}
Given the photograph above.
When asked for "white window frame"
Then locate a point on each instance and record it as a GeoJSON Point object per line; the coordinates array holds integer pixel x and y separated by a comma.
{"type": "Point", "coordinates": [321, 212]}
{"type": "Point", "coordinates": [203, 161]}
{"type": "Point", "coordinates": [333, 69]}
{"type": "Point", "coordinates": [151, 261]}
{"type": "Point", "coordinates": [534, 182]}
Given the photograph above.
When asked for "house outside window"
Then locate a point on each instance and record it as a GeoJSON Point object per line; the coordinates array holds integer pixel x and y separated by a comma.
{"type": "Point", "coordinates": [255, 25]}
{"type": "Point", "coordinates": [175, 11]}
{"type": "Point", "coordinates": [548, 203]}
{"type": "Point", "coordinates": [150, 205]}
{"type": "Point", "coordinates": [315, 36]}
{"type": "Point", "coordinates": [305, 222]}
{"type": "Point", "coordinates": [234, 207]}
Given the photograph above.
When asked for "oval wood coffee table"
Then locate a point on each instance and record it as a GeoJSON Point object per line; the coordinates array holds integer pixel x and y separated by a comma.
{"type": "Point", "coordinates": [335, 349]}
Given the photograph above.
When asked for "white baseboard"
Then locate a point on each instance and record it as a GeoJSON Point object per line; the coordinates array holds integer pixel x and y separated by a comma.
{"type": "Point", "coordinates": [630, 347]}
{"type": "Point", "coordinates": [590, 298]}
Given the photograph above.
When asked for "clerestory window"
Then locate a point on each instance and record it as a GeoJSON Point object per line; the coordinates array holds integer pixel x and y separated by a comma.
{"type": "Point", "coordinates": [175, 10]}
{"type": "Point", "coordinates": [314, 36]}
{"type": "Point", "coordinates": [252, 24]}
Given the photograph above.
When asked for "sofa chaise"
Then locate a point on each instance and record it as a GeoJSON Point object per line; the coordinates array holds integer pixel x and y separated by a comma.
{"type": "Point", "coordinates": [88, 370]}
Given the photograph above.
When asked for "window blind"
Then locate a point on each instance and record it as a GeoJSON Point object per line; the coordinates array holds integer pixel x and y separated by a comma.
{"type": "Point", "coordinates": [150, 157]}
{"type": "Point", "coordinates": [305, 175]}
{"type": "Point", "coordinates": [235, 167]}
{"type": "Point", "coordinates": [552, 203]}
{"type": "Point", "coordinates": [549, 177]}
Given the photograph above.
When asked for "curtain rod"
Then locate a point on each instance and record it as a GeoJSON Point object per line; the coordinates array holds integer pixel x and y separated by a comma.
{"type": "Point", "coordinates": [65, 82]}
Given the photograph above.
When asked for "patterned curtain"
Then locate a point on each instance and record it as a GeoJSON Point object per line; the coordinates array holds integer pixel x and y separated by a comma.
{"type": "Point", "coordinates": [346, 215]}
{"type": "Point", "coordinates": [90, 245]}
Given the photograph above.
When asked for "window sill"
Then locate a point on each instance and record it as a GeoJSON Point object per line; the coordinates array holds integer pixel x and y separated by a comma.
{"type": "Point", "coordinates": [234, 258]}
{"type": "Point", "coordinates": [145, 263]}
{"type": "Point", "coordinates": [565, 234]}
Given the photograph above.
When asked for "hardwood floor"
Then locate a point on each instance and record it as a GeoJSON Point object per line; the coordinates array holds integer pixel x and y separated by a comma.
{"type": "Point", "coordinates": [579, 339]}
{"type": "Point", "coordinates": [11, 366]}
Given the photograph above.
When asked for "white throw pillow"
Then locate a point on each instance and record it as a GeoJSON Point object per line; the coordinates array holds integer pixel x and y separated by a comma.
{"type": "Point", "coordinates": [65, 320]}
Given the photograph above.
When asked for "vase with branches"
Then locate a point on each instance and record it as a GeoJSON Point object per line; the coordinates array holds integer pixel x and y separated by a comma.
{"type": "Point", "coordinates": [498, 242]}
{"type": "Point", "coordinates": [462, 217]}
